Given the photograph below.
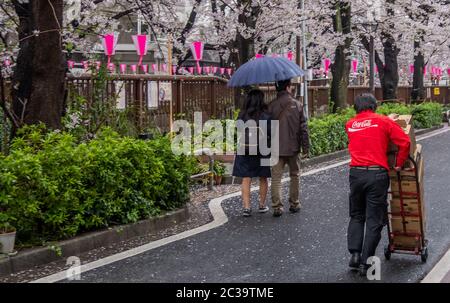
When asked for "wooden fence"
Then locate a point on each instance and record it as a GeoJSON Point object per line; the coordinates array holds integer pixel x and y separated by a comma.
{"type": "Point", "coordinates": [157, 100]}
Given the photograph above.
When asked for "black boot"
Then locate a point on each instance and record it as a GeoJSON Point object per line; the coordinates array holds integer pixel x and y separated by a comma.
{"type": "Point", "coordinates": [355, 260]}
{"type": "Point", "coordinates": [363, 270]}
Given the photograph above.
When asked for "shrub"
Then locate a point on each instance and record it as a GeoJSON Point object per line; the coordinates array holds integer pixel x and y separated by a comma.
{"type": "Point", "coordinates": [327, 133]}
{"type": "Point", "coordinates": [427, 115]}
{"type": "Point", "coordinates": [53, 188]}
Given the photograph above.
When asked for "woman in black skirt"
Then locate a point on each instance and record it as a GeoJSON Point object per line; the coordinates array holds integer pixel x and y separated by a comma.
{"type": "Point", "coordinates": [246, 165]}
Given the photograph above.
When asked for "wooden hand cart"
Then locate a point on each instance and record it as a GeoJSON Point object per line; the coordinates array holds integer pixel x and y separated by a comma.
{"type": "Point", "coordinates": [418, 238]}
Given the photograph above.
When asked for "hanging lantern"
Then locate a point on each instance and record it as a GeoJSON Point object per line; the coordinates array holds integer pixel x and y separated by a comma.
{"type": "Point", "coordinates": [154, 67]}
{"type": "Point", "coordinates": [86, 65]}
{"type": "Point", "coordinates": [207, 69]}
{"type": "Point", "coordinates": [99, 64]}
{"type": "Point", "coordinates": [141, 45]}
{"type": "Point", "coordinates": [191, 70]}
{"type": "Point", "coordinates": [290, 56]}
{"type": "Point", "coordinates": [229, 71]}
{"type": "Point", "coordinates": [134, 68]}
{"type": "Point", "coordinates": [215, 68]}
{"type": "Point", "coordinates": [144, 68]}
{"type": "Point", "coordinates": [7, 62]}
{"type": "Point", "coordinates": [199, 69]}
{"type": "Point", "coordinates": [222, 70]}
{"type": "Point", "coordinates": [174, 69]}
{"type": "Point", "coordinates": [326, 65]}
{"type": "Point", "coordinates": [111, 67]}
{"type": "Point", "coordinates": [123, 68]}
{"type": "Point", "coordinates": [355, 65]}
{"type": "Point", "coordinates": [70, 64]}
{"type": "Point", "coordinates": [110, 44]}
{"type": "Point", "coordinates": [197, 49]}
{"type": "Point", "coordinates": [164, 67]}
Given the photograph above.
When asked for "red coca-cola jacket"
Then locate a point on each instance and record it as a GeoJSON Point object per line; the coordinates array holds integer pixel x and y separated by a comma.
{"type": "Point", "coordinates": [369, 135]}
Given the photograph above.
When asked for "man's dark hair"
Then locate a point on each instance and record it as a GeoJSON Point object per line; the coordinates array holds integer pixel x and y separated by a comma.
{"type": "Point", "coordinates": [282, 85]}
{"type": "Point", "coordinates": [365, 102]}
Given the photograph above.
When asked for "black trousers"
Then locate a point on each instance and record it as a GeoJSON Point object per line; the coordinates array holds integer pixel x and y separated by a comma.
{"type": "Point", "coordinates": [368, 210]}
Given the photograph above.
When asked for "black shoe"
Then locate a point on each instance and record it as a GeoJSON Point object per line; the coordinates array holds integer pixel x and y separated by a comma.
{"type": "Point", "coordinates": [277, 212]}
{"type": "Point", "coordinates": [295, 209]}
{"type": "Point", "coordinates": [247, 212]}
{"type": "Point", "coordinates": [363, 270]}
{"type": "Point", "coordinates": [355, 260]}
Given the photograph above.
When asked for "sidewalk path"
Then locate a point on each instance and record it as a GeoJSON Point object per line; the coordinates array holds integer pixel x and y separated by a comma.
{"type": "Point", "coordinates": [306, 247]}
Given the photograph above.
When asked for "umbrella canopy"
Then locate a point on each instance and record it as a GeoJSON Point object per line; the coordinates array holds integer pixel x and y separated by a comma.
{"type": "Point", "coordinates": [264, 70]}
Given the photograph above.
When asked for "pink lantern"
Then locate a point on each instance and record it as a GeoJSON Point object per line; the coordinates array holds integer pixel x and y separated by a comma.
{"type": "Point", "coordinates": [191, 70]}
{"type": "Point", "coordinates": [376, 69]}
{"type": "Point", "coordinates": [207, 69]}
{"type": "Point", "coordinates": [229, 71]}
{"type": "Point", "coordinates": [448, 71]}
{"type": "Point", "coordinates": [326, 65]}
{"type": "Point", "coordinates": [7, 62]}
{"type": "Point", "coordinates": [110, 44]}
{"type": "Point", "coordinates": [86, 65]}
{"type": "Point", "coordinates": [123, 68]}
{"type": "Point", "coordinates": [134, 68]}
{"type": "Point", "coordinates": [70, 64]}
{"type": "Point", "coordinates": [258, 56]}
{"type": "Point", "coordinates": [290, 56]}
{"type": "Point", "coordinates": [199, 69]}
{"type": "Point", "coordinates": [144, 68]}
{"type": "Point", "coordinates": [425, 70]}
{"type": "Point", "coordinates": [141, 44]}
{"type": "Point", "coordinates": [214, 69]}
{"type": "Point", "coordinates": [164, 67]}
{"type": "Point", "coordinates": [99, 64]}
{"type": "Point", "coordinates": [197, 49]}
{"type": "Point", "coordinates": [174, 69]}
{"type": "Point", "coordinates": [222, 70]}
{"type": "Point", "coordinates": [154, 67]}
{"type": "Point", "coordinates": [355, 65]}
{"type": "Point", "coordinates": [411, 69]}
{"type": "Point", "coordinates": [111, 67]}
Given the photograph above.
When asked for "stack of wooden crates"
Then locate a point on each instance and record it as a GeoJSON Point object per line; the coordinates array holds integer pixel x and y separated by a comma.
{"type": "Point", "coordinates": [407, 208]}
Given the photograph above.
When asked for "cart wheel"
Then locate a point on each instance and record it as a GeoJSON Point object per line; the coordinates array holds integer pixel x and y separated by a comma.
{"type": "Point", "coordinates": [387, 252]}
{"type": "Point", "coordinates": [424, 254]}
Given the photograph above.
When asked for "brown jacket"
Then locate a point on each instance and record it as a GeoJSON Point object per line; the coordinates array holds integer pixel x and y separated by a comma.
{"type": "Point", "coordinates": [293, 129]}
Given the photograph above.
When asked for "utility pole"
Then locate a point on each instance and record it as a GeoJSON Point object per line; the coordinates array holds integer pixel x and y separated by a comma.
{"type": "Point", "coordinates": [372, 65]}
{"type": "Point", "coordinates": [139, 23]}
{"type": "Point", "coordinates": [305, 65]}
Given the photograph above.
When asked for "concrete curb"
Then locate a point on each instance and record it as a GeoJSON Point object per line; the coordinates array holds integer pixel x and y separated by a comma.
{"type": "Point", "coordinates": [89, 241]}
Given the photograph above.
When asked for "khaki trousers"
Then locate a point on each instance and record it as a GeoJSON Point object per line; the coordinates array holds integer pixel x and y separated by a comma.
{"type": "Point", "coordinates": [293, 163]}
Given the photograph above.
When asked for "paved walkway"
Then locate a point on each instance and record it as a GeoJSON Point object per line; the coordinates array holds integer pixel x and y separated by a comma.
{"type": "Point", "coordinates": [306, 247]}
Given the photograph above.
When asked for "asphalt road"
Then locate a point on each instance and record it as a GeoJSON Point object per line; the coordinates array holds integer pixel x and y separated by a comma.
{"type": "Point", "coordinates": [306, 247]}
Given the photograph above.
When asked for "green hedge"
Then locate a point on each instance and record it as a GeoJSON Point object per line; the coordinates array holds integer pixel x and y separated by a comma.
{"type": "Point", "coordinates": [52, 188]}
{"type": "Point", "coordinates": [328, 134]}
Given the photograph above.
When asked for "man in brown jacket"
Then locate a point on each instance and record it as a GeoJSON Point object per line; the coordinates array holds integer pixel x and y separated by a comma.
{"type": "Point", "coordinates": [293, 138]}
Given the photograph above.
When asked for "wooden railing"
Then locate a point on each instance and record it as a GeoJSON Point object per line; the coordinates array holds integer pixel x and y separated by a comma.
{"type": "Point", "coordinates": [159, 100]}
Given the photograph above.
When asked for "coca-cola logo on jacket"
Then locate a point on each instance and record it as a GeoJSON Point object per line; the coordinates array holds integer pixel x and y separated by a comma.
{"type": "Point", "coordinates": [361, 125]}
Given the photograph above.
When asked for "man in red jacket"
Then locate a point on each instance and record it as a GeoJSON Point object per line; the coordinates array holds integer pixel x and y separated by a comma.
{"type": "Point", "coordinates": [369, 135]}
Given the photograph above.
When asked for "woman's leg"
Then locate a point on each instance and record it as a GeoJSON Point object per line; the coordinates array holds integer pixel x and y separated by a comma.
{"type": "Point", "coordinates": [263, 188]}
{"type": "Point", "coordinates": [246, 182]}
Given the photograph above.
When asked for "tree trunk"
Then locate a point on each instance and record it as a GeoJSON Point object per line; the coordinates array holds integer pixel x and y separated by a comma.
{"type": "Point", "coordinates": [340, 68]}
{"type": "Point", "coordinates": [389, 76]}
{"type": "Point", "coordinates": [418, 90]}
{"type": "Point", "coordinates": [245, 46]}
{"type": "Point", "coordinates": [39, 76]}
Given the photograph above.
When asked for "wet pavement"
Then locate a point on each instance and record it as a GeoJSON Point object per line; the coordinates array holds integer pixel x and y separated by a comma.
{"type": "Point", "coordinates": [309, 246]}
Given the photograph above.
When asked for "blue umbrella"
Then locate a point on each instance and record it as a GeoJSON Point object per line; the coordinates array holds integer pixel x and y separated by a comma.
{"type": "Point", "coordinates": [264, 70]}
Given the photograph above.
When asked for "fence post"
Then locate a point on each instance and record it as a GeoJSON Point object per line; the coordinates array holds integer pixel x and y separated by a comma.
{"type": "Point", "coordinates": [212, 98]}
